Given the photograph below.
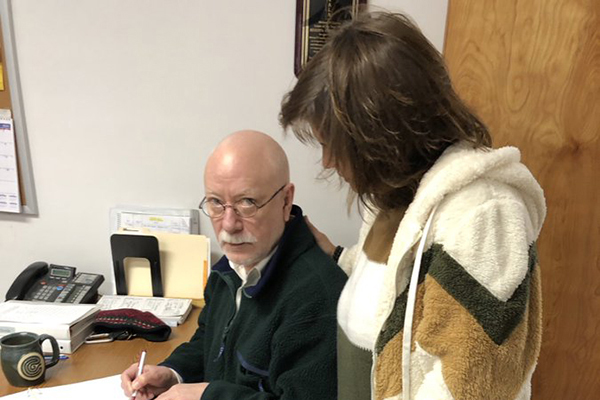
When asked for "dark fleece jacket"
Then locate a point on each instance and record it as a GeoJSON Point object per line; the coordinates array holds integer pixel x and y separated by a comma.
{"type": "Point", "coordinates": [281, 344]}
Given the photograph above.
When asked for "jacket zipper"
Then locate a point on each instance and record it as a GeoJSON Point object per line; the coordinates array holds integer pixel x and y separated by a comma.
{"type": "Point", "coordinates": [227, 326]}
{"type": "Point", "coordinates": [388, 312]}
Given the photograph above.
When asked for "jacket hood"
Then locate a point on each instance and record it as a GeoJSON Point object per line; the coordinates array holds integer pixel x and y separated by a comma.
{"type": "Point", "coordinates": [460, 165]}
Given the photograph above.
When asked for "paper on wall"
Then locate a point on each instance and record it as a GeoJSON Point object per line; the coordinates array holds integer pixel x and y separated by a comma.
{"type": "Point", "coordinates": [10, 200]}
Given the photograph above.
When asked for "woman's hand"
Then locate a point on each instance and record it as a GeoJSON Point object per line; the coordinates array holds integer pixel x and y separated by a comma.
{"type": "Point", "coordinates": [322, 240]}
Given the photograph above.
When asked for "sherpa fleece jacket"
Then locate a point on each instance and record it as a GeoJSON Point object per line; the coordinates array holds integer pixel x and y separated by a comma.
{"type": "Point", "coordinates": [477, 320]}
{"type": "Point", "coordinates": [281, 344]}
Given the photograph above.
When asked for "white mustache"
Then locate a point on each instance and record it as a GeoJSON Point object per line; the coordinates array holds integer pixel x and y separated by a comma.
{"type": "Point", "coordinates": [225, 237]}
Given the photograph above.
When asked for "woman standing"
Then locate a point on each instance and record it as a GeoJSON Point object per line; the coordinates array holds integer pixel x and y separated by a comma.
{"type": "Point", "coordinates": [447, 247]}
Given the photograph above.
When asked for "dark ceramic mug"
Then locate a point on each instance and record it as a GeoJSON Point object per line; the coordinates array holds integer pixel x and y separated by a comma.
{"type": "Point", "coordinates": [23, 362]}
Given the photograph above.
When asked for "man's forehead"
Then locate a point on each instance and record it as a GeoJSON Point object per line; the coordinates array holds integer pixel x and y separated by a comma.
{"type": "Point", "coordinates": [248, 182]}
{"type": "Point", "coordinates": [235, 188]}
{"type": "Point", "coordinates": [229, 165]}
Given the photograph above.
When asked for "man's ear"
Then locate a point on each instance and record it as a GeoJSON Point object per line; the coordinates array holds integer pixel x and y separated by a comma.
{"type": "Point", "coordinates": [288, 199]}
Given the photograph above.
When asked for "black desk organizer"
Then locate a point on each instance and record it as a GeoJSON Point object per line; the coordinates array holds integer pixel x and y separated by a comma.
{"type": "Point", "coordinates": [139, 246]}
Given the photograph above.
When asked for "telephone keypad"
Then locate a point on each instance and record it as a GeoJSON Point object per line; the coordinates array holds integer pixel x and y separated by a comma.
{"type": "Point", "coordinates": [57, 287]}
{"type": "Point", "coordinates": [64, 292]}
{"type": "Point", "coordinates": [79, 293]}
{"type": "Point", "coordinates": [44, 293]}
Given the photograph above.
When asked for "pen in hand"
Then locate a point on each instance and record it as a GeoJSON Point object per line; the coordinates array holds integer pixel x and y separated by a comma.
{"type": "Point", "coordinates": [139, 371]}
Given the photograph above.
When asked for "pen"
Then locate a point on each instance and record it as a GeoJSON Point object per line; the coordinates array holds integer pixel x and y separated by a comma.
{"type": "Point", "coordinates": [139, 371]}
{"type": "Point", "coordinates": [60, 357]}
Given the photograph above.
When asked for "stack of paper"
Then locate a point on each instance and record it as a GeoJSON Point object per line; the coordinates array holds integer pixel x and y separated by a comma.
{"type": "Point", "coordinates": [172, 311]}
{"type": "Point", "coordinates": [70, 324]}
{"type": "Point", "coordinates": [172, 220]}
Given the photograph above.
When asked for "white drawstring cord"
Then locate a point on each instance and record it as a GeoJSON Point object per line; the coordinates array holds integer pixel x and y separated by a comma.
{"type": "Point", "coordinates": [410, 310]}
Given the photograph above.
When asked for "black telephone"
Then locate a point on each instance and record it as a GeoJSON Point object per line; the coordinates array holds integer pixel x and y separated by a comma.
{"type": "Point", "coordinates": [55, 283]}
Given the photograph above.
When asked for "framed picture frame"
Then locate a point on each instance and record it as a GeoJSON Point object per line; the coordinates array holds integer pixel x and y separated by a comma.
{"type": "Point", "coordinates": [314, 20]}
{"type": "Point", "coordinates": [11, 99]}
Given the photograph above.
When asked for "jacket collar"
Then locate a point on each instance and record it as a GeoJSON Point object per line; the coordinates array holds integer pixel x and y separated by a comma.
{"type": "Point", "coordinates": [296, 238]}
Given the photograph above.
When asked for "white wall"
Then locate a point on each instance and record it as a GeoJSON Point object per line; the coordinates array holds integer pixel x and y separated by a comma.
{"type": "Point", "coordinates": [124, 99]}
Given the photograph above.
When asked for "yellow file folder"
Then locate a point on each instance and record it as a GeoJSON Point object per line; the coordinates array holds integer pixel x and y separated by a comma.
{"type": "Point", "coordinates": [184, 261]}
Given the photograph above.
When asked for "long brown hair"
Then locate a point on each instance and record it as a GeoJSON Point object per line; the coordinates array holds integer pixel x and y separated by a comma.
{"type": "Point", "coordinates": [380, 97]}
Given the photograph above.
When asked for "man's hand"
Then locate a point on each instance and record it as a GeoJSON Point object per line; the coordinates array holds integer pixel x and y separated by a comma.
{"type": "Point", "coordinates": [184, 391]}
{"type": "Point", "coordinates": [153, 381]}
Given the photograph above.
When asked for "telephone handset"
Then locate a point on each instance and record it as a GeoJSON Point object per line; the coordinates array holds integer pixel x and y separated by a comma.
{"type": "Point", "coordinates": [55, 283]}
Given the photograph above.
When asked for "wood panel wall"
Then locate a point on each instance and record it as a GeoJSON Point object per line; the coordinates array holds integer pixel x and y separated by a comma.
{"type": "Point", "coordinates": [531, 70]}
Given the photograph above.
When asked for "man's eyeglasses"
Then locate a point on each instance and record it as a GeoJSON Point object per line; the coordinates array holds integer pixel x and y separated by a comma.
{"type": "Point", "coordinates": [245, 208]}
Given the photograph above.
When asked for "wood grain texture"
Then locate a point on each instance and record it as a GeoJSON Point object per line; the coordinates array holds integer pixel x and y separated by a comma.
{"type": "Point", "coordinates": [93, 361]}
{"type": "Point", "coordinates": [531, 70]}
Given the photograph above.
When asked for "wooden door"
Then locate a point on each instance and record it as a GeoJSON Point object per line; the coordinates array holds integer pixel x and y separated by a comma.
{"type": "Point", "coordinates": [531, 70]}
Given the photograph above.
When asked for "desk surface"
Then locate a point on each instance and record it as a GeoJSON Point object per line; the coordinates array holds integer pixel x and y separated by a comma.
{"type": "Point", "coordinates": [92, 361]}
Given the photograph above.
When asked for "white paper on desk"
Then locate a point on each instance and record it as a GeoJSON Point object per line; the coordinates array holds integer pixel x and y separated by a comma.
{"type": "Point", "coordinates": [159, 306]}
{"type": "Point", "coordinates": [43, 313]}
{"type": "Point", "coordinates": [95, 389]}
{"type": "Point", "coordinates": [10, 200]}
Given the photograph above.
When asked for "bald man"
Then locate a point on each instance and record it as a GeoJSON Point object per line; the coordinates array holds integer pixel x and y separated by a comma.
{"type": "Point", "coordinates": [268, 328]}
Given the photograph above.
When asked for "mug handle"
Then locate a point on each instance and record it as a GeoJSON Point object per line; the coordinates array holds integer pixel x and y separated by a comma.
{"type": "Point", "coordinates": [55, 349]}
